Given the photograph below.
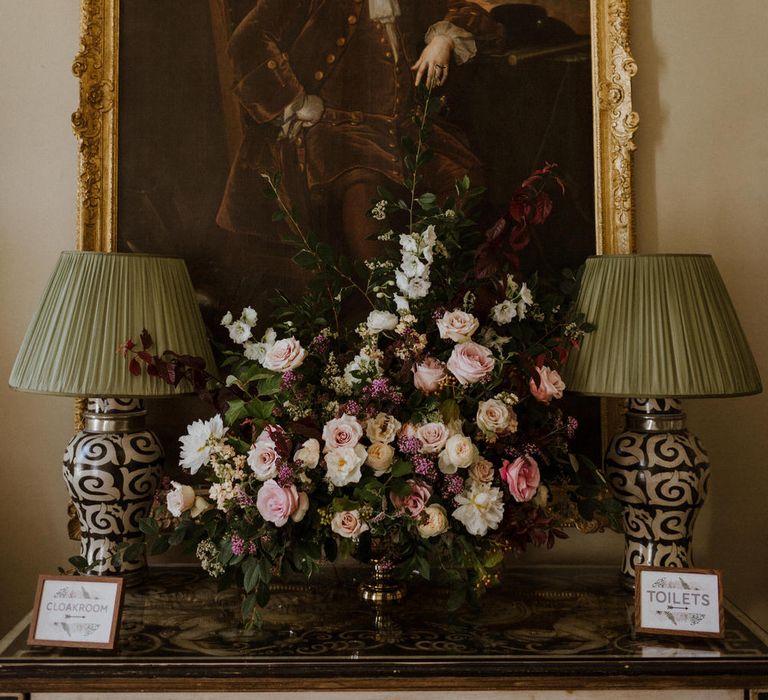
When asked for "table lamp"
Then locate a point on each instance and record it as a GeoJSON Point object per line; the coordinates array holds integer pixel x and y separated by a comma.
{"type": "Point", "coordinates": [93, 303]}
{"type": "Point", "coordinates": [666, 330]}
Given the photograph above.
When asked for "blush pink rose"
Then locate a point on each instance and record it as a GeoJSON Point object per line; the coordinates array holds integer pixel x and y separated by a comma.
{"type": "Point", "coordinates": [457, 326]}
{"type": "Point", "coordinates": [349, 524]}
{"type": "Point", "coordinates": [342, 432]}
{"type": "Point", "coordinates": [427, 375]}
{"type": "Point", "coordinates": [277, 503]}
{"type": "Point", "coordinates": [522, 477]}
{"type": "Point", "coordinates": [433, 437]}
{"type": "Point", "coordinates": [284, 355]}
{"type": "Point", "coordinates": [470, 362]}
{"type": "Point", "coordinates": [551, 385]}
{"type": "Point", "coordinates": [415, 501]}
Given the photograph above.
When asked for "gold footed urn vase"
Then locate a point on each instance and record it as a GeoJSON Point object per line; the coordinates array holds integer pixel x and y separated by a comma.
{"type": "Point", "coordinates": [382, 587]}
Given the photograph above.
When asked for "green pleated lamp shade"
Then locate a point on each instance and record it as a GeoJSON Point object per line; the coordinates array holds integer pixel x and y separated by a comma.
{"type": "Point", "coordinates": [666, 327]}
{"type": "Point", "coordinates": [93, 303]}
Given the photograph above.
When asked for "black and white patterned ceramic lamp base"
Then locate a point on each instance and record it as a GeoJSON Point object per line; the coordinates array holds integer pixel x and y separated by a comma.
{"type": "Point", "coordinates": [112, 469]}
{"type": "Point", "coordinates": [659, 472]}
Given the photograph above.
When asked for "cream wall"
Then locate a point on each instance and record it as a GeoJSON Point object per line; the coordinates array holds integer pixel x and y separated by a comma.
{"type": "Point", "coordinates": [702, 153]}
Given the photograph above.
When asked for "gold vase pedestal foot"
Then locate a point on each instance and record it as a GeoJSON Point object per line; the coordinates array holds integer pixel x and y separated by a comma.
{"type": "Point", "coordinates": [382, 588]}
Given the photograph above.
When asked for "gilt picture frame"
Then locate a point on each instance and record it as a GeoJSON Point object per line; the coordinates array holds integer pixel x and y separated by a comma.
{"type": "Point", "coordinates": [112, 94]}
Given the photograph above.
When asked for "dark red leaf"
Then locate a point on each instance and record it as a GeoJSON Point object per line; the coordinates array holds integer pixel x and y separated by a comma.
{"type": "Point", "coordinates": [146, 339]}
{"type": "Point", "coordinates": [144, 355]}
{"type": "Point", "coordinates": [152, 371]}
{"type": "Point", "coordinates": [134, 367]}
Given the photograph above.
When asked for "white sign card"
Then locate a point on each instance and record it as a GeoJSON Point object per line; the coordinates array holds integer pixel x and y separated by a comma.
{"type": "Point", "coordinates": [76, 611]}
{"type": "Point", "coordinates": [679, 601]}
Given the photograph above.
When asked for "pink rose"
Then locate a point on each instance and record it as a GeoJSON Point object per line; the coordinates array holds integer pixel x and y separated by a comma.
{"type": "Point", "coordinates": [342, 432]}
{"type": "Point", "coordinates": [457, 326]}
{"type": "Point", "coordinates": [284, 355]}
{"type": "Point", "coordinates": [433, 437]}
{"type": "Point", "coordinates": [348, 523]}
{"type": "Point", "coordinates": [427, 375]}
{"type": "Point", "coordinates": [276, 503]}
{"type": "Point", "coordinates": [415, 501]}
{"type": "Point", "coordinates": [263, 459]}
{"type": "Point", "coordinates": [522, 477]}
{"type": "Point", "coordinates": [470, 362]}
{"type": "Point", "coordinates": [550, 386]}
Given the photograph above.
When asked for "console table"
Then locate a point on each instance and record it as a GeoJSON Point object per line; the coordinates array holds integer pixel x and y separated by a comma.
{"type": "Point", "coordinates": [544, 629]}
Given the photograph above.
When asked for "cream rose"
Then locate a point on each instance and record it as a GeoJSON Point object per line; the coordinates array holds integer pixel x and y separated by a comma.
{"type": "Point", "coordinates": [481, 471]}
{"type": "Point", "coordinates": [470, 362]}
{"type": "Point", "coordinates": [494, 416]}
{"type": "Point", "coordinates": [180, 499]}
{"type": "Point", "coordinates": [551, 385]}
{"type": "Point", "coordinates": [262, 459]}
{"type": "Point", "coordinates": [379, 321]}
{"type": "Point", "coordinates": [342, 432]}
{"type": "Point", "coordinates": [301, 508]}
{"type": "Point", "coordinates": [343, 465]}
{"type": "Point", "coordinates": [428, 374]}
{"type": "Point", "coordinates": [308, 454]}
{"type": "Point", "coordinates": [434, 521]}
{"type": "Point", "coordinates": [382, 428]}
{"type": "Point", "coordinates": [284, 355]}
{"type": "Point", "coordinates": [348, 523]}
{"type": "Point", "coordinates": [433, 437]}
{"type": "Point", "coordinates": [459, 453]}
{"type": "Point", "coordinates": [380, 456]}
{"type": "Point", "coordinates": [457, 326]}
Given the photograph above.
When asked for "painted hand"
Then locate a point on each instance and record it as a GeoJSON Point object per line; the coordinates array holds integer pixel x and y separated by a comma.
{"type": "Point", "coordinates": [434, 61]}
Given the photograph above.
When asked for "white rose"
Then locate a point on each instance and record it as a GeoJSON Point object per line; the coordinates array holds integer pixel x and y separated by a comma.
{"type": "Point", "coordinates": [180, 499]}
{"type": "Point", "coordinates": [308, 454]}
{"type": "Point", "coordinates": [457, 326]}
{"type": "Point", "coordinates": [459, 453]}
{"type": "Point", "coordinates": [379, 321]}
{"type": "Point", "coordinates": [284, 355]}
{"type": "Point", "coordinates": [380, 456]}
{"type": "Point", "coordinates": [262, 459]}
{"type": "Point", "coordinates": [434, 521]}
{"type": "Point", "coordinates": [504, 312]}
{"type": "Point", "coordinates": [342, 432]}
{"type": "Point", "coordinates": [494, 417]}
{"type": "Point", "coordinates": [240, 331]}
{"type": "Point", "coordinates": [348, 523]}
{"type": "Point", "coordinates": [382, 428]}
{"type": "Point", "coordinates": [343, 465]}
{"type": "Point", "coordinates": [433, 437]}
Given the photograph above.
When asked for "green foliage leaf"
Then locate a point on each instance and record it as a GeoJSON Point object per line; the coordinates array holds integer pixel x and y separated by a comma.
{"type": "Point", "coordinates": [401, 468]}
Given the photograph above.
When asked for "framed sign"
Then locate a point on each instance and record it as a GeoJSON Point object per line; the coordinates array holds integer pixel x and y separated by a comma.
{"type": "Point", "coordinates": [683, 602]}
{"type": "Point", "coordinates": [76, 611]}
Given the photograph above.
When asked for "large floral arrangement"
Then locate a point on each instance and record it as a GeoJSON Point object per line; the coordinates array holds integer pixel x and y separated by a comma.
{"type": "Point", "coordinates": [430, 422]}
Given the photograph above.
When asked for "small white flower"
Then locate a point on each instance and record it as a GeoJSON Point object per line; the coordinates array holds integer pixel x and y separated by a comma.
{"type": "Point", "coordinates": [379, 321]}
{"type": "Point", "coordinates": [418, 288]}
{"type": "Point", "coordinates": [197, 443]}
{"type": "Point", "coordinates": [429, 237]}
{"type": "Point", "coordinates": [504, 312]}
{"type": "Point", "coordinates": [240, 331]}
{"type": "Point", "coordinates": [249, 316]}
{"type": "Point", "coordinates": [379, 210]}
{"type": "Point", "coordinates": [480, 509]}
{"type": "Point", "coordinates": [402, 304]}
{"type": "Point", "coordinates": [521, 310]}
{"type": "Point", "coordinates": [308, 454]}
{"type": "Point", "coordinates": [226, 319]}
{"type": "Point", "coordinates": [449, 214]}
{"type": "Point", "coordinates": [412, 266]}
{"type": "Point", "coordinates": [255, 351]}
{"type": "Point", "coordinates": [525, 295]}
{"type": "Point", "coordinates": [408, 243]}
